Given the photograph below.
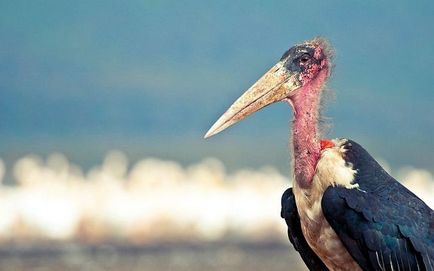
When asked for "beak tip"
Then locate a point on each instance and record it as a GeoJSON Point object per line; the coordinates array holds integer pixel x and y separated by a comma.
{"type": "Point", "coordinates": [216, 128]}
{"type": "Point", "coordinates": [209, 134]}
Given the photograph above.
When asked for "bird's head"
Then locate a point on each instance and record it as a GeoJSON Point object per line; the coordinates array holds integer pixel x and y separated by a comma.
{"type": "Point", "coordinates": [297, 69]}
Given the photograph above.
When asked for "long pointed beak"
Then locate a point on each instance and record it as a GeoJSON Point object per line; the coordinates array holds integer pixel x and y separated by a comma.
{"type": "Point", "coordinates": [273, 86]}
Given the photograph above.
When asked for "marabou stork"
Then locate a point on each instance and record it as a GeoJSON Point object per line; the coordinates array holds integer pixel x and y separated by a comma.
{"type": "Point", "coordinates": [344, 211]}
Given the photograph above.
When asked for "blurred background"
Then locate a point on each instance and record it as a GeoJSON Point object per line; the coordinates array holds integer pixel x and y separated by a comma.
{"type": "Point", "coordinates": [104, 105]}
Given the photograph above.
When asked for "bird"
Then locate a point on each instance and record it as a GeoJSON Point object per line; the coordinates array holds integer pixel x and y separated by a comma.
{"type": "Point", "coordinates": [344, 211]}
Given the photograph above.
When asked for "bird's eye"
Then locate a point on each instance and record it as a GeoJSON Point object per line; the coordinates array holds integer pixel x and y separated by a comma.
{"type": "Point", "coordinates": [304, 58]}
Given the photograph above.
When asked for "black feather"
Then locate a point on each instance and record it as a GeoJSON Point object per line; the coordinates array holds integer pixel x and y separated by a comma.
{"type": "Point", "coordinates": [290, 214]}
{"type": "Point", "coordinates": [382, 224]}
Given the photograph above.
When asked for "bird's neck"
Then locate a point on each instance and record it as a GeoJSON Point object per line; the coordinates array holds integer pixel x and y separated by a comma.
{"type": "Point", "coordinates": [306, 139]}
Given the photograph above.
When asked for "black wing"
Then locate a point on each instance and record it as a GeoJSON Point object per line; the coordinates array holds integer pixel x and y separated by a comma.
{"type": "Point", "coordinates": [382, 224]}
{"type": "Point", "coordinates": [290, 214]}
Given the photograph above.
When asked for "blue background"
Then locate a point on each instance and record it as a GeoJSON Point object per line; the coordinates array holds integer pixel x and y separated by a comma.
{"type": "Point", "coordinates": [150, 77]}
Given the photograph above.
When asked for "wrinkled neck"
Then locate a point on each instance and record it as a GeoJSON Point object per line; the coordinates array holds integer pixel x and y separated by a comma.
{"type": "Point", "coordinates": [306, 139]}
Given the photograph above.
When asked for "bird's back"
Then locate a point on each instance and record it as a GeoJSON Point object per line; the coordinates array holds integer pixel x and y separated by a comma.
{"type": "Point", "coordinates": [383, 224]}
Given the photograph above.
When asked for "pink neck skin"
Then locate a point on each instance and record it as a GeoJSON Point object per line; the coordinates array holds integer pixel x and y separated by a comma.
{"type": "Point", "coordinates": [306, 139]}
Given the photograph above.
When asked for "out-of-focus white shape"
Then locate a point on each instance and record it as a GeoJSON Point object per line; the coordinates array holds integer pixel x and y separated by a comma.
{"type": "Point", "coordinates": [45, 202]}
{"type": "Point", "coordinates": [115, 164]}
{"type": "Point", "coordinates": [26, 170]}
{"type": "Point", "coordinates": [9, 214]}
{"type": "Point", "coordinates": [154, 201]}
{"type": "Point", "coordinates": [420, 182]}
{"type": "Point", "coordinates": [155, 174]}
{"type": "Point", "coordinates": [58, 163]}
{"type": "Point", "coordinates": [49, 211]}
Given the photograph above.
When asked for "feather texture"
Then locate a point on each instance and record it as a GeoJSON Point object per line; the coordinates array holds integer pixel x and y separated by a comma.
{"type": "Point", "coordinates": [290, 214]}
{"type": "Point", "coordinates": [382, 224]}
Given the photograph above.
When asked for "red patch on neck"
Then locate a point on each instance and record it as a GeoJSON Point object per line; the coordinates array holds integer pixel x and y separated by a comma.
{"type": "Point", "coordinates": [325, 143]}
